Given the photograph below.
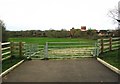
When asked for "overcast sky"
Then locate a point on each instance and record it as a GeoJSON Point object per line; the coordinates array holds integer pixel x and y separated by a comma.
{"type": "Point", "coordinates": [56, 14]}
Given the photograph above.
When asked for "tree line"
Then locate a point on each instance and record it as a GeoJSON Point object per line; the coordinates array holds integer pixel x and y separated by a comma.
{"type": "Point", "coordinates": [63, 33]}
{"type": "Point", "coordinates": [73, 33]}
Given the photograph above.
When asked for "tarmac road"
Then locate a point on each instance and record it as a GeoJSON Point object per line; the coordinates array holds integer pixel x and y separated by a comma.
{"type": "Point", "coordinates": [67, 70]}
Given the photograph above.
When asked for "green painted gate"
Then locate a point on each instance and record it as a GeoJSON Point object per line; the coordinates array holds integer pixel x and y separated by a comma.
{"type": "Point", "coordinates": [60, 50]}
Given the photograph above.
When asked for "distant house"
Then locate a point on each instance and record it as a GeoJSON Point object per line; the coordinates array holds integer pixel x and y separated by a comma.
{"type": "Point", "coordinates": [116, 33]}
{"type": "Point", "coordinates": [102, 32]}
{"type": "Point", "coordinates": [83, 28]}
{"type": "Point", "coordinates": [105, 33]}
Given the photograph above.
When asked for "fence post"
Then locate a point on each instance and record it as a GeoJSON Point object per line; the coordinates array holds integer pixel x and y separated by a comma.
{"type": "Point", "coordinates": [46, 51]}
{"type": "Point", "coordinates": [0, 61]}
{"type": "Point", "coordinates": [23, 48]}
{"type": "Point", "coordinates": [97, 48]}
{"type": "Point", "coordinates": [11, 48]}
{"type": "Point", "coordinates": [110, 44]}
{"type": "Point", "coordinates": [102, 45]}
{"type": "Point", "coordinates": [20, 49]}
{"type": "Point", "coordinates": [0, 50]}
{"type": "Point", "coordinates": [95, 52]}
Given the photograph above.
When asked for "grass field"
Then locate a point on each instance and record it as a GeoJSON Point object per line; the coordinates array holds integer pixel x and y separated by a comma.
{"type": "Point", "coordinates": [42, 41]}
{"type": "Point", "coordinates": [60, 49]}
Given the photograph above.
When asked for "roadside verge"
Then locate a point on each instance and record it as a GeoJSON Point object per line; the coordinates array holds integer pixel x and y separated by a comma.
{"type": "Point", "coordinates": [109, 66]}
{"type": "Point", "coordinates": [11, 68]}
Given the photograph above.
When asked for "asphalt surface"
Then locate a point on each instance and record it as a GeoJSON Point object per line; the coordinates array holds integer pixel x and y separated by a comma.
{"type": "Point", "coordinates": [67, 70]}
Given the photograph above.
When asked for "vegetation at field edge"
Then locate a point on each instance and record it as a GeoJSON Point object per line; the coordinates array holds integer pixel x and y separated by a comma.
{"type": "Point", "coordinates": [112, 57]}
{"type": "Point", "coordinates": [6, 64]}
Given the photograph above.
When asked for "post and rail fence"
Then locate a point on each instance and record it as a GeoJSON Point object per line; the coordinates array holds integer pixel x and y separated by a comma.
{"type": "Point", "coordinates": [9, 49]}
{"type": "Point", "coordinates": [107, 44]}
{"type": "Point", "coordinates": [49, 50]}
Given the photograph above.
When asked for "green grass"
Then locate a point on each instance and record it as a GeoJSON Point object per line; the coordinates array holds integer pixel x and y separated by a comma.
{"type": "Point", "coordinates": [6, 64]}
{"type": "Point", "coordinates": [112, 57]}
{"type": "Point", "coordinates": [42, 40]}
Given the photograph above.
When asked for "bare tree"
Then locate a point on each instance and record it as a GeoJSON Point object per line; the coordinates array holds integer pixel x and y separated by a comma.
{"type": "Point", "coordinates": [113, 13]}
{"type": "Point", "coordinates": [1, 23]}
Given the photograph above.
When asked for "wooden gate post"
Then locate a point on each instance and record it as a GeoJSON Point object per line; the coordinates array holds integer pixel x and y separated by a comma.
{"type": "Point", "coordinates": [20, 49]}
{"type": "Point", "coordinates": [102, 45]}
{"type": "Point", "coordinates": [11, 48]}
{"type": "Point", "coordinates": [97, 49]}
{"type": "Point", "coordinates": [110, 44]}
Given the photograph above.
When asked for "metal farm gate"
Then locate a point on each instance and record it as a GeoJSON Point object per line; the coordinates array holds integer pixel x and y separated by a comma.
{"type": "Point", "coordinates": [60, 50]}
{"type": "Point", "coordinates": [34, 50]}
